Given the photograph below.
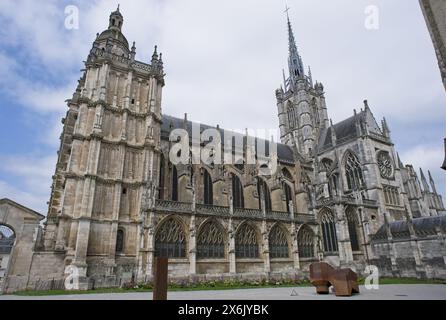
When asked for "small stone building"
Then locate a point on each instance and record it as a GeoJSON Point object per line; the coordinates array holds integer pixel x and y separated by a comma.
{"type": "Point", "coordinates": [19, 232]}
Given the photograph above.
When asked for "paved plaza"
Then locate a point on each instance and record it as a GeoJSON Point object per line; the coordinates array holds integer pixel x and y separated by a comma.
{"type": "Point", "coordinates": [385, 292]}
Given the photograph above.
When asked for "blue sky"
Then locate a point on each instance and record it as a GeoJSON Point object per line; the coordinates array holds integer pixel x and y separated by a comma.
{"type": "Point", "coordinates": [223, 60]}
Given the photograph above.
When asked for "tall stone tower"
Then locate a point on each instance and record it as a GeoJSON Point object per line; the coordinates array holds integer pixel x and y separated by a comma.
{"type": "Point", "coordinates": [301, 104]}
{"type": "Point", "coordinates": [434, 12]}
{"type": "Point", "coordinates": [108, 156]}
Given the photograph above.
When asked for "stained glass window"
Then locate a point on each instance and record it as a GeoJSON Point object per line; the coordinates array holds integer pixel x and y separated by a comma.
{"type": "Point", "coordinates": [329, 236]}
{"type": "Point", "coordinates": [210, 242]}
{"type": "Point", "coordinates": [305, 242]}
{"type": "Point", "coordinates": [246, 243]}
{"type": "Point", "coordinates": [170, 240]}
{"type": "Point", "coordinates": [278, 243]}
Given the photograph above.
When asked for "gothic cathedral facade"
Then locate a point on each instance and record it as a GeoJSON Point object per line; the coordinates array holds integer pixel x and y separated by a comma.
{"type": "Point", "coordinates": [117, 201]}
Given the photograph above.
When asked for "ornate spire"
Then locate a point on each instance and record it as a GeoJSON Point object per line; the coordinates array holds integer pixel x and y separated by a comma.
{"type": "Point", "coordinates": [185, 121]}
{"type": "Point", "coordinates": [295, 64]}
{"type": "Point", "coordinates": [155, 55]}
{"type": "Point", "coordinates": [400, 163]}
{"type": "Point", "coordinates": [366, 105]}
{"type": "Point", "coordinates": [133, 51]}
{"type": "Point", "coordinates": [385, 127]}
{"type": "Point", "coordinates": [160, 62]}
{"type": "Point", "coordinates": [116, 20]}
{"type": "Point", "coordinates": [424, 181]}
{"type": "Point", "coordinates": [310, 76]}
{"type": "Point", "coordinates": [432, 182]}
{"type": "Point", "coordinates": [333, 133]}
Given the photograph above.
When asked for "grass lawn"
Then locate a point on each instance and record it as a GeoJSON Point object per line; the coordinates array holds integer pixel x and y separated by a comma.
{"type": "Point", "coordinates": [220, 286]}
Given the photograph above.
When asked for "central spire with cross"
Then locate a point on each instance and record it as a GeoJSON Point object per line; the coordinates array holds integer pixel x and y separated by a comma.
{"type": "Point", "coordinates": [295, 63]}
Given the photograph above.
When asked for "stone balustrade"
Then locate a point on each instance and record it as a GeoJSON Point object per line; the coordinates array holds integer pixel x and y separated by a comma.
{"type": "Point", "coordinates": [205, 209]}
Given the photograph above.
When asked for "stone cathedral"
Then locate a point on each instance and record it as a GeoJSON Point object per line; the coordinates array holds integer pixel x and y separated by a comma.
{"type": "Point", "coordinates": [340, 192]}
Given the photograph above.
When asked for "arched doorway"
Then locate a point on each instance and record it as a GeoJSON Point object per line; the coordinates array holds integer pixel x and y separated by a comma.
{"type": "Point", "coordinates": [7, 240]}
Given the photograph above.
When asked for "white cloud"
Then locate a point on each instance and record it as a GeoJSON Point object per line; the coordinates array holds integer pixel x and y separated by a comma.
{"type": "Point", "coordinates": [27, 198]}
{"type": "Point", "coordinates": [33, 95]}
{"type": "Point", "coordinates": [228, 56]}
{"type": "Point", "coordinates": [424, 156]}
{"type": "Point", "coordinates": [32, 179]}
{"type": "Point", "coordinates": [36, 28]}
{"type": "Point", "coordinates": [31, 166]}
{"type": "Point", "coordinates": [428, 158]}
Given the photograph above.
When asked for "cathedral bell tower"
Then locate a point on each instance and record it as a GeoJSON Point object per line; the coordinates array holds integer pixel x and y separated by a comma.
{"type": "Point", "coordinates": [301, 104]}
{"type": "Point", "coordinates": [106, 172]}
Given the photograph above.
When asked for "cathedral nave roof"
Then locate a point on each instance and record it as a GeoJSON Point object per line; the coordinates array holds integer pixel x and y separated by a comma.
{"type": "Point", "coordinates": [284, 152]}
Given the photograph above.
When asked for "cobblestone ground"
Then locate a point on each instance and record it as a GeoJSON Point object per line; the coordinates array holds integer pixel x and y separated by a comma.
{"type": "Point", "coordinates": [385, 292]}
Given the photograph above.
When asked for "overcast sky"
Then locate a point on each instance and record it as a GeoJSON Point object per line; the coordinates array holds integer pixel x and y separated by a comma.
{"type": "Point", "coordinates": [223, 61]}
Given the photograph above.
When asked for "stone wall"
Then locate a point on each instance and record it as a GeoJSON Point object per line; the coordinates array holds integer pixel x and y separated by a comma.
{"type": "Point", "coordinates": [46, 271]}
{"type": "Point", "coordinates": [24, 223]}
{"type": "Point", "coordinates": [212, 267]}
{"type": "Point", "coordinates": [399, 258]}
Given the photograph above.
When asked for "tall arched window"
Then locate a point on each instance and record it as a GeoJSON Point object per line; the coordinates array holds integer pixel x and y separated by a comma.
{"type": "Point", "coordinates": [170, 240]}
{"type": "Point", "coordinates": [262, 188]}
{"type": "Point", "coordinates": [353, 172]}
{"type": "Point", "coordinates": [327, 164]}
{"type": "Point", "coordinates": [240, 166]}
{"type": "Point", "coordinates": [208, 188]}
{"type": "Point", "coordinates": [352, 222]}
{"type": "Point", "coordinates": [333, 184]}
{"type": "Point", "coordinates": [278, 243]}
{"type": "Point", "coordinates": [305, 242]}
{"type": "Point", "coordinates": [7, 238]}
{"type": "Point", "coordinates": [328, 226]}
{"type": "Point", "coordinates": [161, 179]}
{"type": "Point", "coordinates": [288, 195]}
{"type": "Point", "coordinates": [287, 174]}
{"type": "Point", "coordinates": [174, 184]}
{"type": "Point", "coordinates": [237, 192]}
{"type": "Point", "coordinates": [120, 241]}
{"type": "Point", "coordinates": [291, 115]}
{"type": "Point", "coordinates": [246, 242]}
{"type": "Point", "coordinates": [210, 241]}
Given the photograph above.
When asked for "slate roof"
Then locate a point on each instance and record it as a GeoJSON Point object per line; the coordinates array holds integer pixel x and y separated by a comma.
{"type": "Point", "coordinates": [344, 130]}
{"type": "Point", "coordinates": [284, 152]}
{"type": "Point", "coordinates": [423, 227]}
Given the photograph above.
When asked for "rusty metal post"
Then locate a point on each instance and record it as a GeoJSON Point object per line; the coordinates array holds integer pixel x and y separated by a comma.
{"type": "Point", "coordinates": [160, 281]}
